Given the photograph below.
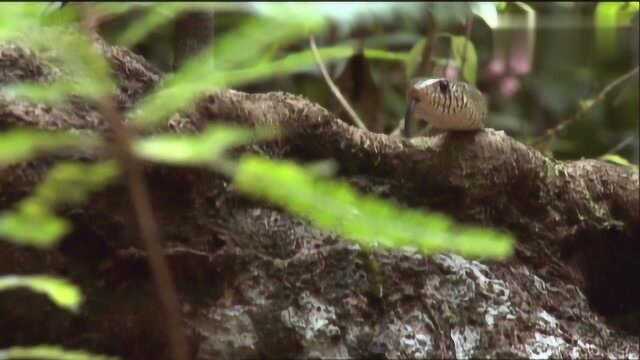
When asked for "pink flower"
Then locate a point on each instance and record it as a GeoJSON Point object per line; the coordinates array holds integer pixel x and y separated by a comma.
{"type": "Point", "coordinates": [452, 73]}
{"type": "Point", "coordinates": [509, 86]}
{"type": "Point", "coordinates": [496, 67]}
{"type": "Point", "coordinates": [520, 62]}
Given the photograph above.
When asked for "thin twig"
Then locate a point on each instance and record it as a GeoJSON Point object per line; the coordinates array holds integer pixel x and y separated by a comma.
{"type": "Point", "coordinates": [619, 146]}
{"type": "Point", "coordinates": [430, 47]}
{"type": "Point", "coordinates": [333, 87]}
{"type": "Point", "coordinates": [598, 99]}
{"type": "Point", "coordinates": [148, 230]}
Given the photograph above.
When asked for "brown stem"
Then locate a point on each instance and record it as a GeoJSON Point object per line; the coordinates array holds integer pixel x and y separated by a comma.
{"type": "Point", "coordinates": [345, 104]}
{"type": "Point", "coordinates": [148, 229]}
{"type": "Point", "coordinates": [584, 110]}
{"type": "Point", "coordinates": [140, 198]}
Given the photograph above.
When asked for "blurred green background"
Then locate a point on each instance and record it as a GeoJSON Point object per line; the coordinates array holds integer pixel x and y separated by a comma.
{"type": "Point", "coordinates": [539, 64]}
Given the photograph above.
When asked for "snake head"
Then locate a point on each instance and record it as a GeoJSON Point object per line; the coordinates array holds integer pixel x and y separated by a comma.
{"type": "Point", "coordinates": [445, 104]}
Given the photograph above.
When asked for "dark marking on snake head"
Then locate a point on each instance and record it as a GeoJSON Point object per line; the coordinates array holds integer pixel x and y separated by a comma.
{"type": "Point", "coordinates": [444, 86]}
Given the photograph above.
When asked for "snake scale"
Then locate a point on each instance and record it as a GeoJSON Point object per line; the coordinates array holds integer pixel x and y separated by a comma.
{"type": "Point", "coordinates": [445, 104]}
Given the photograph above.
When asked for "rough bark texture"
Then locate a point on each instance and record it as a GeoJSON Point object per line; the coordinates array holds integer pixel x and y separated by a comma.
{"type": "Point", "coordinates": [257, 282]}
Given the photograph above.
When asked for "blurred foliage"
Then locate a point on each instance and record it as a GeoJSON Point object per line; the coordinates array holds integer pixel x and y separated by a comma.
{"type": "Point", "coordinates": [45, 352]}
{"type": "Point", "coordinates": [328, 204]}
{"type": "Point", "coordinates": [364, 219]}
{"type": "Point", "coordinates": [571, 71]}
{"type": "Point", "coordinates": [535, 61]}
{"type": "Point", "coordinates": [22, 144]}
{"type": "Point", "coordinates": [536, 64]}
{"type": "Point", "coordinates": [204, 149]}
{"type": "Point", "coordinates": [18, 19]}
{"type": "Point", "coordinates": [608, 17]}
{"type": "Point", "coordinates": [86, 71]}
{"type": "Point", "coordinates": [414, 58]}
{"type": "Point", "coordinates": [61, 292]}
{"type": "Point", "coordinates": [33, 222]}
{"type": "Point", "coordinates": [464, 53]}
{"type": "Point", "coordinates": [618, 160]}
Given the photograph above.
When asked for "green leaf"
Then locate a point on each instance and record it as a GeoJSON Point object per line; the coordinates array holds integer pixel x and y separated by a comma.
{"type": "Point", "coordinates": [61, 292]}
{"type": "Point", "coordinates": [56, 92]}
{"type": "Point", "coordinates": [608, 17]}
{"type": "Point", "coordinates": [205, 148]}
{"type": "Point", "coordinates": [244, 47]}
{"type": "Point", "coordinates": [295, 62]}
{"type": "Point", "coordinates": [87, 73]}
{"type": "Point", "coordinates": [616, 159]}
{"type": "Point", "coordinates": [627, 12]}
{"type": "Point", "coordinates": [33, 222]}
{"type": "Point", "coordinates": [22, 144]}
{"type": "Point", "coordinates": [85, 70]}
{"type": "Point", "coordinates": [71, 183]}
{"type": "Point", "coordinates": [46, 352]}
{"type": "Point", "coordinates": [17, 19]}
{"type": "Point", "coordinates": [415, 58]}
{"type": "Point", "coordinates": [155, 16]}
{"type": "Point", "coordinates": [459, 45]}
{"type": "Point", "coordinates": [377, 54]}
{"type": "Point", "coordinates": [44, 93]}
{"type": "Point", "coordinates": [335, 206]}
{"type": "Point", "coordinates": [41, 230]}
{"type": "Point", "coordinates": [171, 98]}
{"type": "Point", "coordinates": [586, 104]}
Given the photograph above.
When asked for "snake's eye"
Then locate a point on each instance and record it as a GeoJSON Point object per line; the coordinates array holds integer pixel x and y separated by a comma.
{"type": "Point", "coordinates": [444, 86]}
